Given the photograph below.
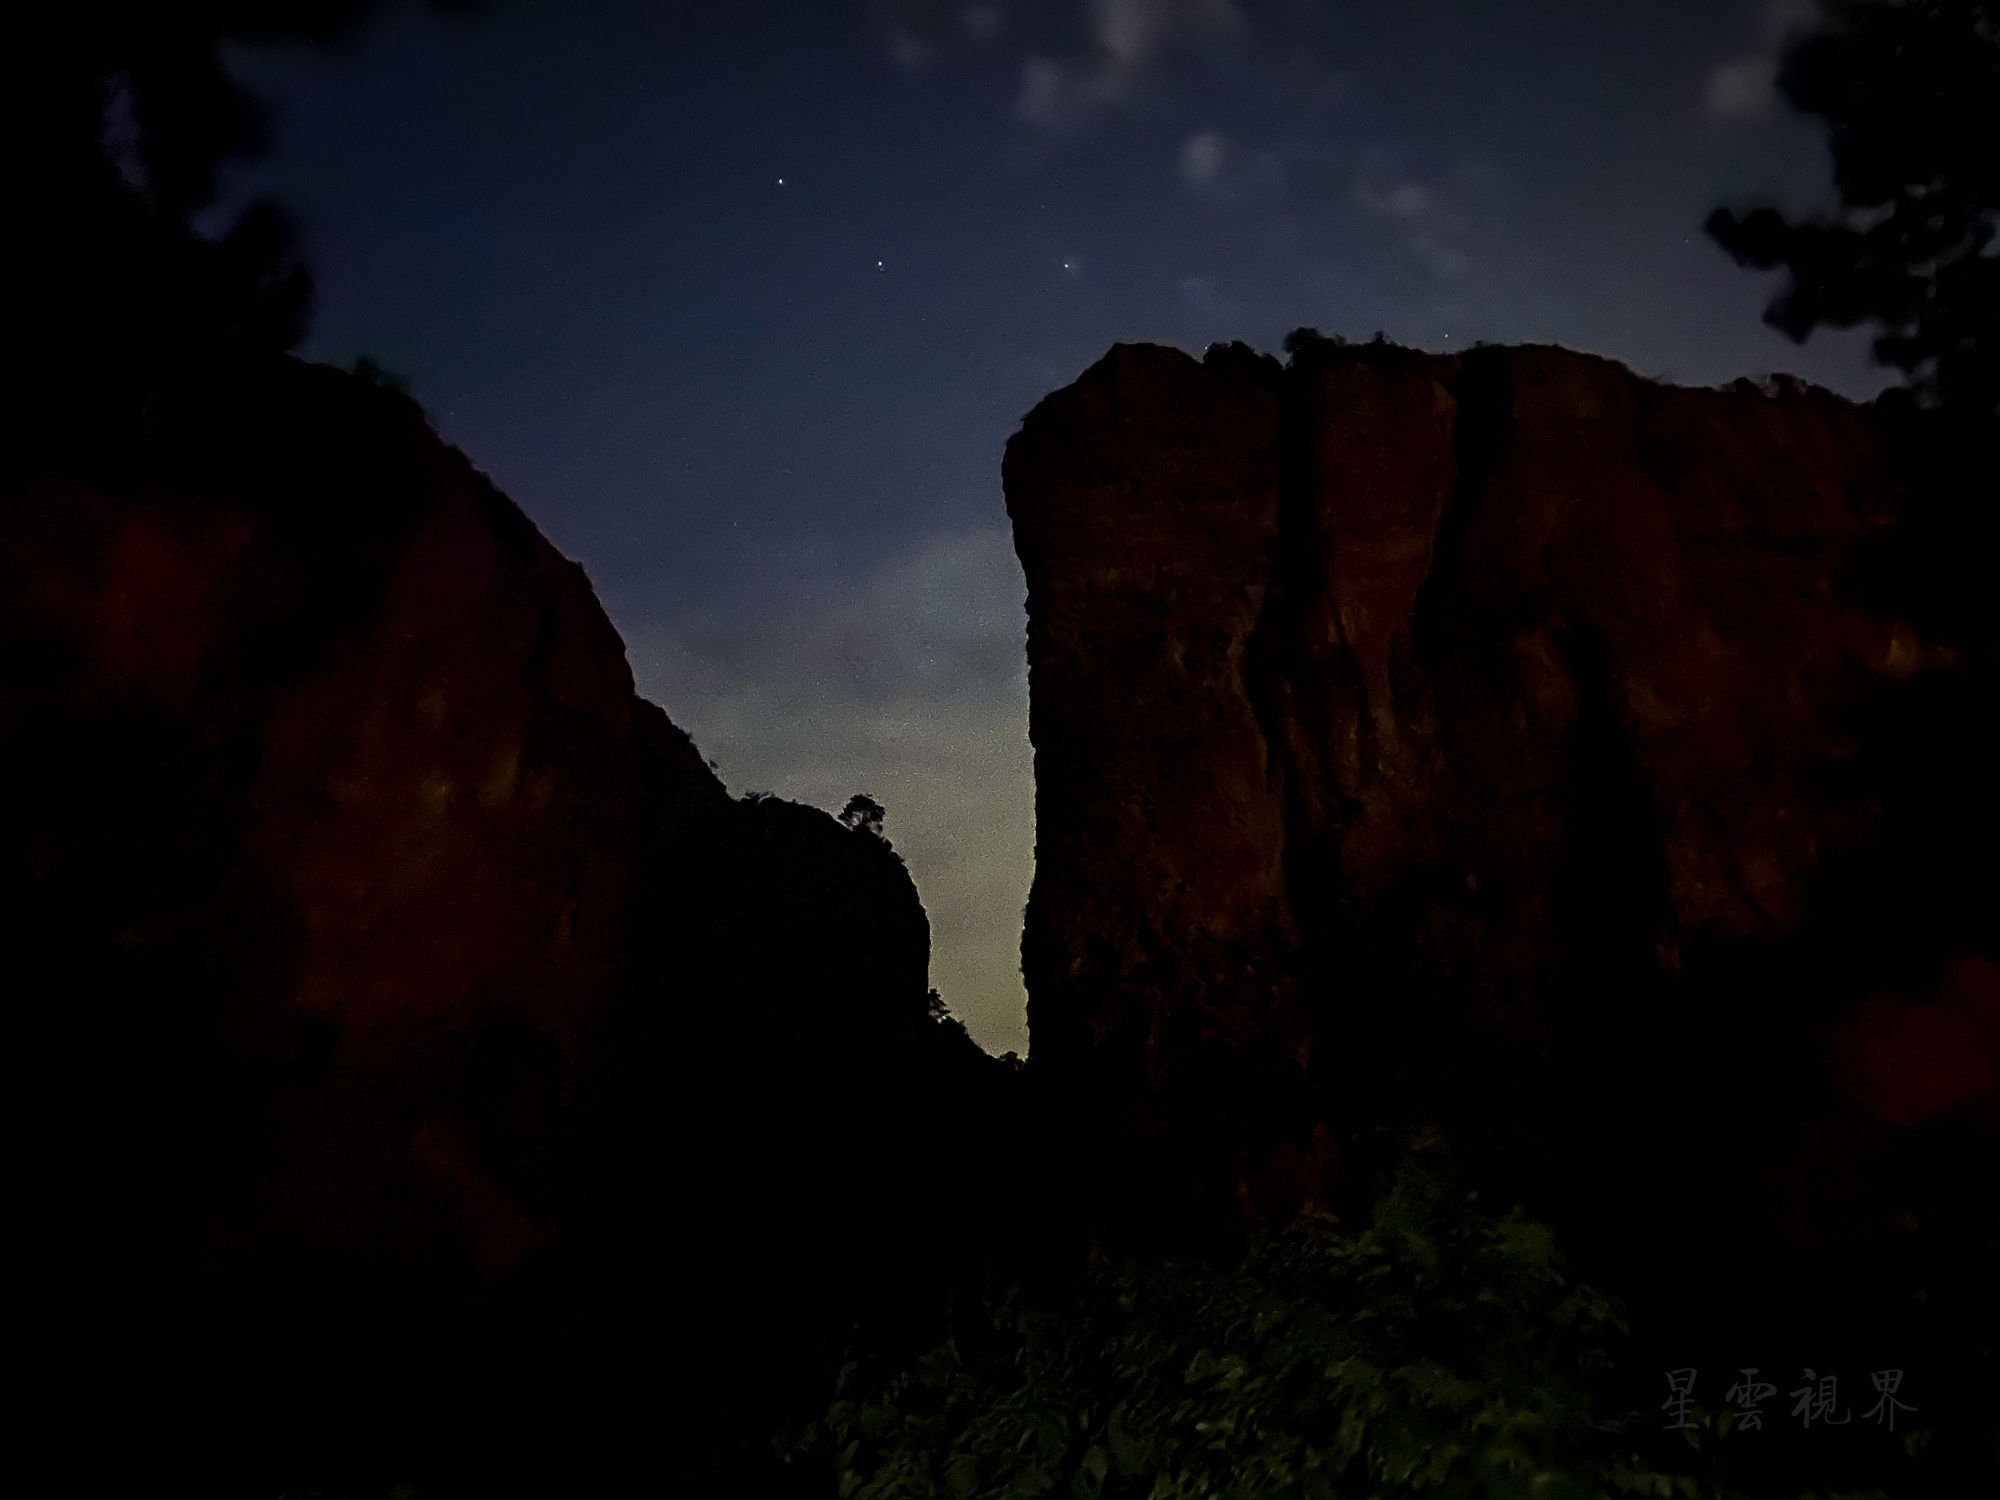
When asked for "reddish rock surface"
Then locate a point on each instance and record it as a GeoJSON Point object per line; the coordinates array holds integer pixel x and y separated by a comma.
{"type": "Point", "coordinates": [395, 813]}
{"type": "Point", "coordinates": [1458, 739]}
{"type": "Point", "coordinates": [417, 1037]}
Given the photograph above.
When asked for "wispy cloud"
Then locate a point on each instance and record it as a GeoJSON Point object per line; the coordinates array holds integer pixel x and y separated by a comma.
{"type": "Point", "coordinates": [1744, 86]}
{"type": "Point", "coordinates": [911, 685]}
{"type": "Point", "coordinates": [915, 32]}
{"type": "Point", "coordinates": [1216, 169]}
{"type": "Point", "coordinates": [1202, 158]}
{"type": "Point", "coordinates": [1433, 226]}
{"type": "Point", "coordinates": [1200, 294]}
{"type": "Point", "coordinates": [1129, 38]}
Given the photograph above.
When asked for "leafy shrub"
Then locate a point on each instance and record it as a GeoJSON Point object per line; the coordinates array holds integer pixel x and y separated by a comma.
{"type": "Point", "coordinates": [1440, 1352]}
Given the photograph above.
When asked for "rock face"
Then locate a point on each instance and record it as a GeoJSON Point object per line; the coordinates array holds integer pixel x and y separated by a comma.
{"type": "Point", "coordinates": [1471, 741]}
{"type": "Point", "coordinates": [404, 995]}
{"type": "Point", "coordinates": [390, 803]}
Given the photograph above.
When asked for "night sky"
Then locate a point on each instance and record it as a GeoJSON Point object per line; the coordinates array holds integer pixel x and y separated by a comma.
{"type": "Point", "coordinates": [740, 302]}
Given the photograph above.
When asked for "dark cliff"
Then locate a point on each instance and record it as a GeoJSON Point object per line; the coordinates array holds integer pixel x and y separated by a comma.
{"type": "Point", "coordinates": [1498, 744]}
{"type": "Point", "coordinates": [423, 1052]}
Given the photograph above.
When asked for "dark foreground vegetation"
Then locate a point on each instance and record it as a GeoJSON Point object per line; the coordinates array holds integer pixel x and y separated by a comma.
{"type": "Point", "coordinates": [1438, 1350]}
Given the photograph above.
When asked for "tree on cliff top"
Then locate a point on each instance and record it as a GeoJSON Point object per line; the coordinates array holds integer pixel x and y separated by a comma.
{"type": "Point", "coordinates": [864, 812]}
{"type": "Point", "coordinates": [1911, 92]}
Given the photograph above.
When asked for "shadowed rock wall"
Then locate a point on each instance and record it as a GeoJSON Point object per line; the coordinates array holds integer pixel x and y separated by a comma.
{"type": "Point", "coordinates": [428, 1062]}
{"type": "Point", "coordinates": [365, 759]}
{"type": "Point", "coordinates": [1468, 741]}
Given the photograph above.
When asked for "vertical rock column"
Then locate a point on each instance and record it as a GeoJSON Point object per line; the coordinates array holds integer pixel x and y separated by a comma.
{"type": "Point", "coordinates": [1158, 940]}
{"type": "Point", "coordinates": [1428, 739]}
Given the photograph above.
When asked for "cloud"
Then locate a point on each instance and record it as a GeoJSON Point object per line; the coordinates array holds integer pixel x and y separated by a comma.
{"type": "Point", "coordinates": [1200, 294]}
{"type": "Point", "coordinates": [910, 685]}
{"type": "Point", "coordinates": [1741, 88]}
{"type": "Point", "coordinates": [1745, 86]}
{"type": "Point", "coordinates": [1130, 37]}
{"type": "Point", "coordinates": [1214, 169]}
{"type": "Point", "coordinates": [1051, 95]}
{"type": "Point", "coordinates": [1202, 158]}
{"type": "Point", "coordinates": [908, 50]}
{"type": "Point", "coordinates": [981, 22]}
{"type": "Point", "coordinates": [915, 32]}
{"type": "Point", "coordinates": [1408, 202]}
{"type": "Point", "coordinates": [1433, 227]}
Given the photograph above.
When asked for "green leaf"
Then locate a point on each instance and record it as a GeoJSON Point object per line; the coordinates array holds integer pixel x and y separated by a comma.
{"type": "Point", "coordinates": [1088, 1482]}
{"type": "Point", "coordinates": [962, 1478]}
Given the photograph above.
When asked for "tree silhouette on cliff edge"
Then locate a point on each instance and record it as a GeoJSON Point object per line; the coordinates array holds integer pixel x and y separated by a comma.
{"type": "Point", "coordinates": [1910, 93]}
{"type": "Point", "coordinates": [115, 118]}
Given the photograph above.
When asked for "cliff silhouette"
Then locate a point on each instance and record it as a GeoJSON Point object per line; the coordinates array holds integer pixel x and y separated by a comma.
{"type": "Point", "coordinates": [1504, 750]}
{"type": "Point", "coordinates": [430, 1068]}
{"type": "Point", "coordinates": [417, 1037]}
